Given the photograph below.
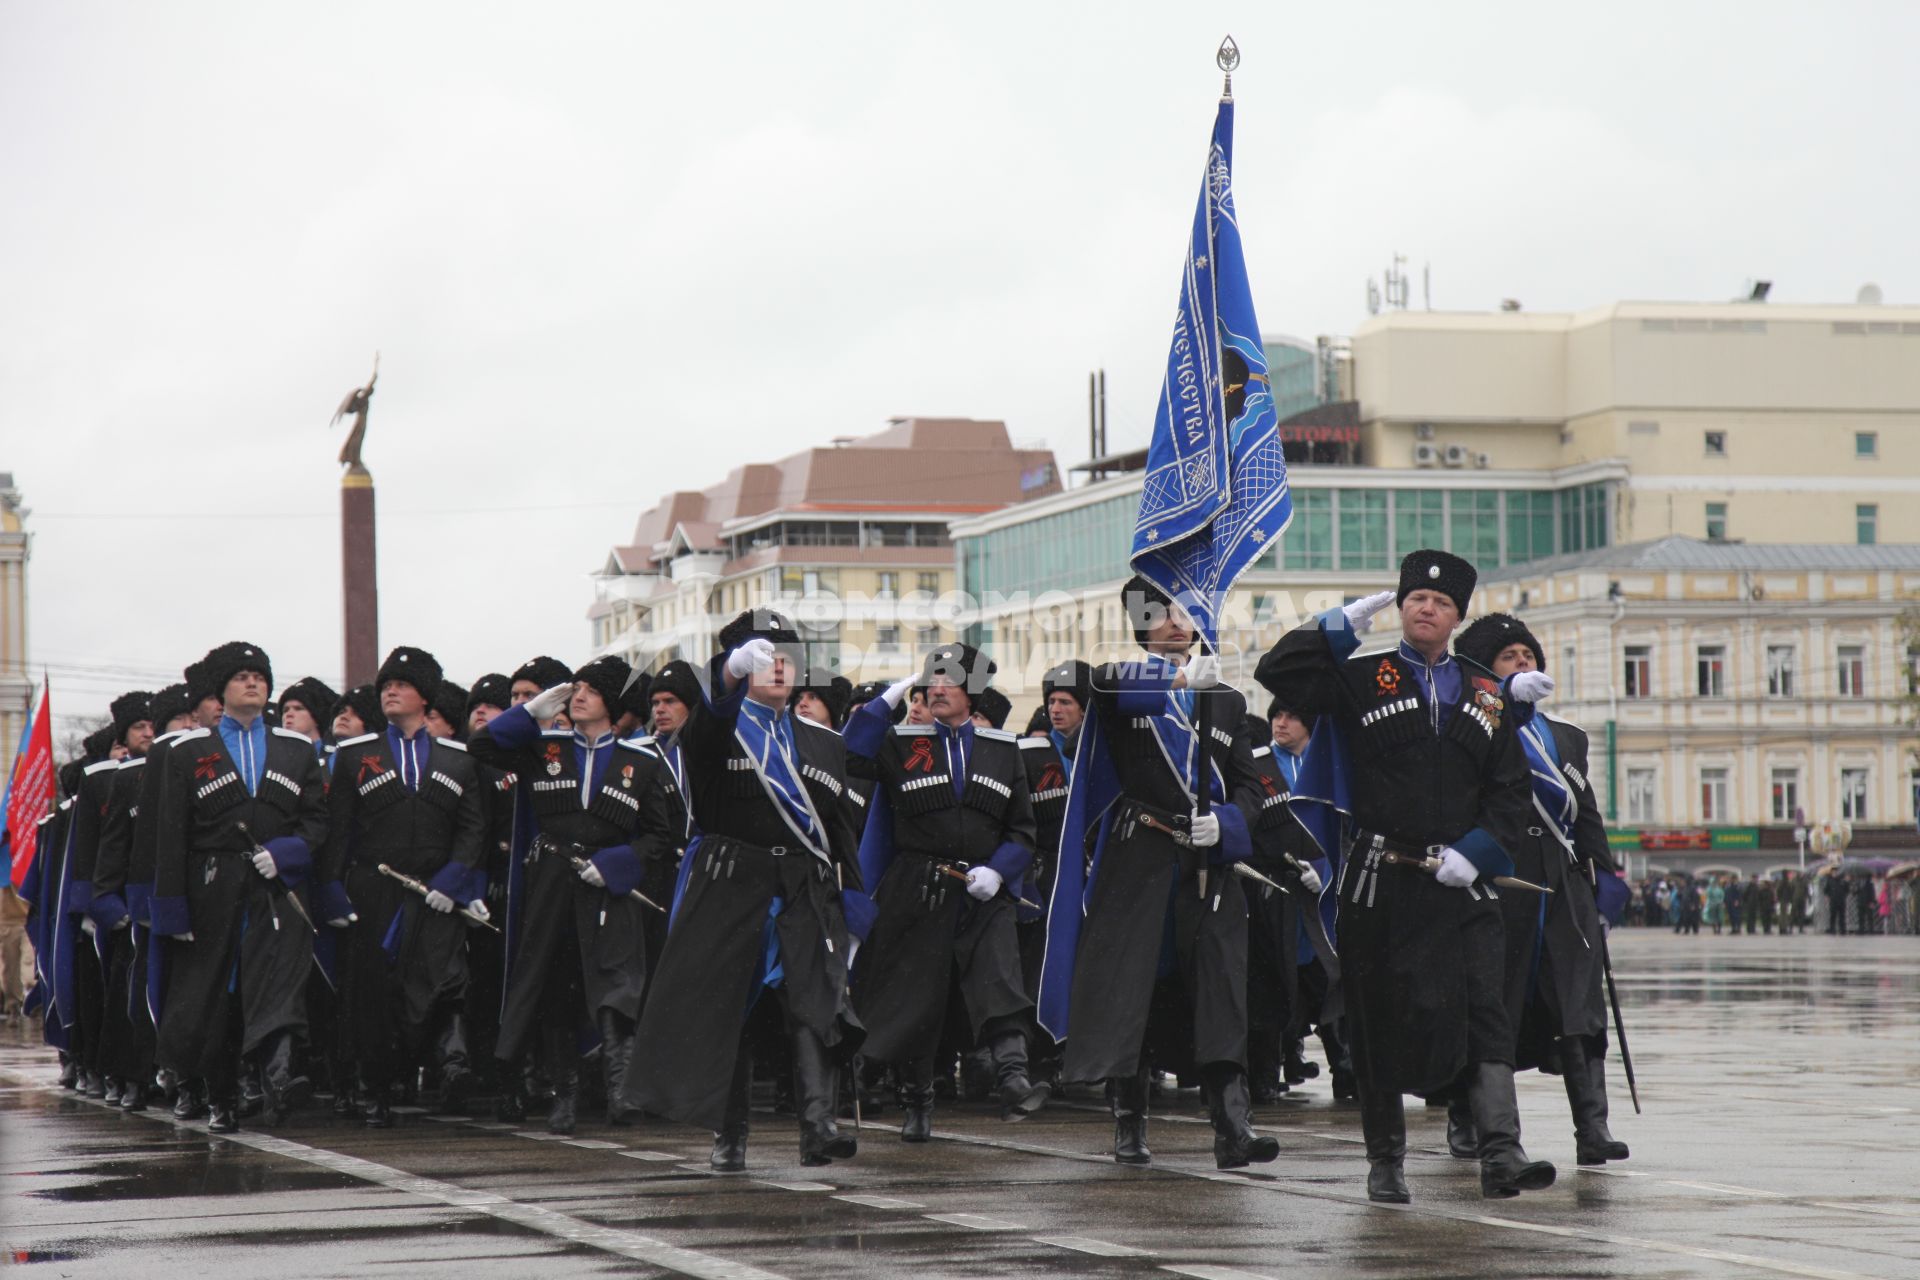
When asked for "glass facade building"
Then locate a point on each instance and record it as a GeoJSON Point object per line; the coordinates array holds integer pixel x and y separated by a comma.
{"type": "Point", "coordinates": [1334, 529]}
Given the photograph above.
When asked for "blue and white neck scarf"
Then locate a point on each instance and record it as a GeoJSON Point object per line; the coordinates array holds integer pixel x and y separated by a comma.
{"type": "Point", "coordinates": [767, 737]}
{"type": "Point", "coordinates": [1552, 797]}
{"type": "Point", "coordinates": [1181, 744]}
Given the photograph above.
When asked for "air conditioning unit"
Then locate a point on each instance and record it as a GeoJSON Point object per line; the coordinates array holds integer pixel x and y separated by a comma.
{"type": "Point", "coordinates": [1423, 431]}
{"type": "Point", "coordinates": [1426, 455]}
{"type": "Point", "coordinates": [1455, 455]}
{"type": "Point", "coordinates": [1483, 460]}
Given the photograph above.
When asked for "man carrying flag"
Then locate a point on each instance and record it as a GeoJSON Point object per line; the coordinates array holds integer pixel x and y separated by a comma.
{"type": "Point", "coordinates": [1161, 776]}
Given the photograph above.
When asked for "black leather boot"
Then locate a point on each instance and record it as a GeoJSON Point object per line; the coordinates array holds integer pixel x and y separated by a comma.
{"type": "Point", "coordinates": [1505, 1169]}
{"type": "Point", "coordinates": [223, 1109]}
{"type": "Point", "coordinates": [379, 1111]}
{"type": "Point", "coordinates": [253, 1094]}
{"type": "Point", "coordinates": [616, 1055]}
{"type": "Point", "coordinates": [189, 1101]}
{"type": "Point", "coordinates": [1463, 1142]}
{"type": "Point", "coordinates": [115, 1087]}
{"type": "Point", "coordinates": [93, 1085]}
{"type": "Point", "coordinates": [564, 1069]}
{"type": "Point", "coordinates": [1586, 1079]}
{"type": "Point", "coordinates": [69, 1073]}
{"type": "Point", "coordinates": [457, 1079]}
{"type": "Point", "coordinates": [815, 1083]}
{"type": "Point", "coordinates": [916, 1101]}
{"type": "Point", "coordinates": [730, 1143]}
{"type": "Point", "coordinates": [1229, 1105]}
{"type": "Point", "coordinates": [1383, 1119]}
{"type": "Point", "coordinates": [1127, 1096]}
{"type": "Point", "coordinates": [287, 1086]}
{"type": "Point", "coordinates": [133, 1097]}
{"type": "Point", "coordinates": [1006, 1049]}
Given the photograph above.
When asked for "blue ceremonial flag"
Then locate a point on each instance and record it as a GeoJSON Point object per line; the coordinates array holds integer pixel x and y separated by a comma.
{"type": "Point", "coordinates": [1216, 491]}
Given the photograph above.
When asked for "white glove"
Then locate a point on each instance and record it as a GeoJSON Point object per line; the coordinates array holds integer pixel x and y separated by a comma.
{"type": "Point", "coordinates": [182, 937]}
{"type": "Point", "coordinates": [1310, 880]}
{"type": "Point", "coordinates": [1456, 871]}
{"type": "Point", "coordinates": [591, 874]}
{"type": "Point", "coordinates": [983, 882]}
{"type": "Point", "coordinates": [478, 909]}
{"type": "Point", "coordinates": [341, 922]}
{"type": "Point", "coordinates": [898, 689]}
{"type": "Point", "coordinates": [263, 863]}
{"type": "Point", "coordinates": [551, 702]}
{"type": "Point", "coordinates": [122, 923]}
{"type": "Point", "coordinates": [1204, 830]}
{"type": "Point", "coordinates": [853, 950]}
{"type": "Point", "coordinates": [439, 901]}
{"type": "Point", "coordinates": [1202, 671]}
{"type": "Point", "coordinates": [1530, 686]}
{"type": "Point", "coordinates": [1360, 612]}
{"type": "Point", "coordinates": [756, 654]}
{"type": "Point", "coordinates": [87, 926]}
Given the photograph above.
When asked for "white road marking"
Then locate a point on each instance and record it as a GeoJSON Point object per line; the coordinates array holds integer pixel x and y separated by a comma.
{"type": "Point", "coordinates": [662, 1156]}
{"type": "Point", "coordinates": [495, 1125]}
{"type": "Point", "coordinates": [882, 1202]}
{"type": "Point", "coordinates": [1201, 1271]}
{"type": "Point", "coordinates": [976, 1221]}
{"type": "Point", "coordinates": [1098, 1248]}
{"type": "Point", "coordinates": [538, 1135]}
{"type": "Point", "coordinates": [593, 1144]}
{"type": "Point", "coordinates": [795, 1186]}
{"type": "Point", "coordinates": [626, 1244]}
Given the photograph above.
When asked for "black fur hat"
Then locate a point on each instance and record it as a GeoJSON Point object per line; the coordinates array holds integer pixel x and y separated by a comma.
{"type": "Point", "coordinates": [493, 689]}
{"type": "Point", "coordinates": [1483, 640]}
{"type": "Point", "coordinates": [1039, 722]}
{"type": "Point", "coordinates": [962, 664]}
{"type": "Point", "coordinates": [128, 710]}
{"type": "Point", "coordinates": [543, 671]}
{"type": "Point", "coordinates": [1073, 678]}
{"type": "Point", "coordinates": [1145, 604]}
{"type": "Point", "coordinates": [679, 679]}
{"type": "Point", "coordinates": [412, 666]}
{"type": "Point", "coordinates": [636, 699]}
{"type": "Point", "coordinates": [606, 676]}
{"type": "Point", "coordinates": [865, 693]}
{"type": "Point", "coordinates": [229, 660]}
{"type": "Point", "coordinates": [173, 701]}
{"type": "Point", "coordinates": [450, 700]}
{"type": "Point", "coordinates": [313, 694]}
{"type": "Point", "coordinates": [364, 701]}
{"type": "Point", "coordinates": [835, 691]}
{"type": "Point", "coordinates": [97, 745]}
{"type": "Point", "coordinates": [764, 624]}
{"type": "Point", "coordinates": [1431, 570]}
{"type": "Point", "coordinates": [70, 775]}
{"type": "Point", "coordinates": [994, 705]}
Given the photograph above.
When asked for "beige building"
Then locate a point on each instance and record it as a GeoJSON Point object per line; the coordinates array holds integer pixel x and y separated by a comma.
{"type": "Point", "coordinates": [1754, 421]}
{"type": "Point", "coordinates": [16, 686]}
{"type": "Point", "coordinates": [851, 538]}
{"type": "Point", "coordinates": [1746, 684]}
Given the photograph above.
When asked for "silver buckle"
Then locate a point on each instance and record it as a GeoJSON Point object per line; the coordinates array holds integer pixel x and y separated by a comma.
{"type": "Point", "coordinates": [778, 851]}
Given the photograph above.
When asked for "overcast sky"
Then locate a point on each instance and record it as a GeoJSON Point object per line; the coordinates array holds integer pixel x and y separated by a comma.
{"type": "Point", "coordinates": [611, 250]}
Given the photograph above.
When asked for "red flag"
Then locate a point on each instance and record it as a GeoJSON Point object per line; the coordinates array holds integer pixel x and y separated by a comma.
{"type": "Point", "coordinates": [32, 788]}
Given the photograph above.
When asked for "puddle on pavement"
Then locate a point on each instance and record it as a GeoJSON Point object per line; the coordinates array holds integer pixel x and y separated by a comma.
{"type": "Point", "coordinates": [143, 1180]}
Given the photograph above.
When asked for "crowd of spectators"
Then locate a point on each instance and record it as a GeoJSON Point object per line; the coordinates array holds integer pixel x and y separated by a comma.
{"type": "Point", "coordinates": [1837, 902]}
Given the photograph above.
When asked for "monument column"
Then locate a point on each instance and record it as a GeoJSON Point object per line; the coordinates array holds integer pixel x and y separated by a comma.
{"type": "Point", "coordinates": [359, 582]}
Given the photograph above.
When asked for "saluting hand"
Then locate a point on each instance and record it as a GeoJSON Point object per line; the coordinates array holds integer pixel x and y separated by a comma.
{"type": "Point", "coordinates": [551, 702]}
{"type": "Point", "coordinates": [1201, 672]}
{"type": "Point", "coordinates": [1360, 613]}
{"type": "Point", "coordinates": [1530, 686]}
{"type": "Point", "coordinates": [756, 654]}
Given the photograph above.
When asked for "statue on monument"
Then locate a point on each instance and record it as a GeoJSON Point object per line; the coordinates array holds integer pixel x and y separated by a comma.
{"type": "Point", "coordinates": [356, 404]}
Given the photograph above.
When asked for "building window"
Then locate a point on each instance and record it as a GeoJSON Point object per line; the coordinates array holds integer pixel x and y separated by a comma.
{"type": "Point", "coordinates": [1780, 659]}
{"type": "Point", "coordinates": [1866, 444]}
{"type": "Point", "coordinates": [1529, 525]}
{"type": "Point", "coordinates": [1569, 673]}
{"type": "Point", "coordinates": [1639, 671]}
{"type": "Point", "coordinates": [887, 638]}
{"type": "Point", "coordinates": [1913, 670]}
{"type": "Point", "coordinates": [1308, 541]}
{"type": "Point", "coordinates": [1475, 521]}
{"type": "Point", "coordinates": [1786, 794]}
{"type": "Point", "coordinates": [1851, 664]}
{"type": "Point", "coordinates": [1716, 444]}
{"type": "Point", "coordinates": [889, 585]}
{"type": "Point", "coordinates": [1583, 518]}
{"type": "Point", "coordinates": [1713, 795]}
{"type": "Point", "coordinates": [1641, 789]}
{"type": "Point", "coordinates": [1363, 528]}
{"type": "Point", "coordinates": [1866, 523]}
{"type": "Point", "coordinates": [1419, 520]}
{"type": "Point", "coordinates": [1711, 666]}
{"type": "Point", "coordinates": [929, 583]}
{"type": "Point", "coordinates": [1716, 522]}
{"type": "Point", "coordinates": [1853, 795]}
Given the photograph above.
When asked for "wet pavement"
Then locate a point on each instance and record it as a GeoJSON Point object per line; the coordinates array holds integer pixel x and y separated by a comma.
{"type": "Point", "coordinates": [1781, 1136]}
